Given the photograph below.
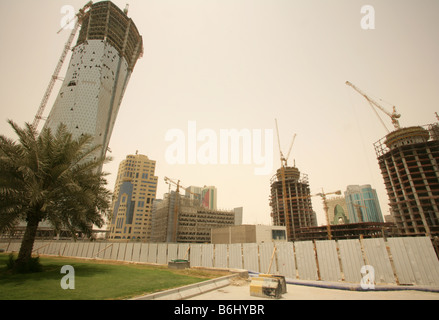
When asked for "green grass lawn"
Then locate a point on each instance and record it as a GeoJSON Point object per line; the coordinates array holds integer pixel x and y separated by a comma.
{"type": "Point", "coordinates": [94, 280]}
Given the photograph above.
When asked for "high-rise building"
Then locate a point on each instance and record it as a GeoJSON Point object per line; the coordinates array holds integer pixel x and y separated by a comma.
{"type": "Point", "coordinates": [409, 162]}
{"type": "Point", "coordinates": [290, 202]}
{"type": "Point", "coordinates": [102, 62]}
{"type": "Point", "coordinates": [207, 195]}
{"type": "Point", "coordinates": [363, 204]}
{"type": "Point", "coordinates": [134, 195]}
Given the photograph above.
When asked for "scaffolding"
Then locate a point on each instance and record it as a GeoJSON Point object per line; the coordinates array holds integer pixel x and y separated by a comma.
{"type": "Point", "coordinates": [298, 202]}
{"type": "Point", "coordinates": [348, 231]}
{"type": "Point", "coordinates": [409, 163]}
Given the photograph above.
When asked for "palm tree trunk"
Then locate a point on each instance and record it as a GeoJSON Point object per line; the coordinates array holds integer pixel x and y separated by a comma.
{"type": "Point", "coordinates": [27, 243]}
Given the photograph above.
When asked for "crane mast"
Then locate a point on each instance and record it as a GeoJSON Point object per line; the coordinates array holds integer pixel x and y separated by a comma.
{"type": "Point", "coordinates": [326, 208]}
{"type": "Point", "coordinates": [55, 76]}
{"type": "Point", "coordinates": [394, 116]}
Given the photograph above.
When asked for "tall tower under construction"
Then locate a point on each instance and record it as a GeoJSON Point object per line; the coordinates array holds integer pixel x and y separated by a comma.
{"type": "Point", "coordinates": [290, 201]}
{"type": "Point", "coordinates": [102, 62]}
{"type": "Point", "coordinates": [409, 162]}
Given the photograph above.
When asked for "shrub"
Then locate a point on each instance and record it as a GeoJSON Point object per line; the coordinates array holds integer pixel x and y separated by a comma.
{"type": "Point", "coordinates": [32, 266]}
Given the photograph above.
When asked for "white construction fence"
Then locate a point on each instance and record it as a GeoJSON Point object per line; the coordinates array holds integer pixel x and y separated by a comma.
{"type": "Point", "coordinates": [398, 261]}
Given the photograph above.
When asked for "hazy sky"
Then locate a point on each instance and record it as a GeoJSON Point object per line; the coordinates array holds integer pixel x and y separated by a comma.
{"type": "Point", "coordinates": [239, 64]}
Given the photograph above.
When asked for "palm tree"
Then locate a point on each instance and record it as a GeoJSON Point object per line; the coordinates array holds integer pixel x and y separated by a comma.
{"type": "Point", "coordinates": [50, 177]}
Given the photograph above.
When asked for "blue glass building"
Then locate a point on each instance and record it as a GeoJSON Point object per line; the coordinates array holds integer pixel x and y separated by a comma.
{"type": "Point", "coordinates": [363, 205]}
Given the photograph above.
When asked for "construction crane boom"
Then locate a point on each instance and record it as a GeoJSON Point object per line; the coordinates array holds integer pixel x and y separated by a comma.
{"type": "Point", "coordinates": [394, 116]}
{"type": "Point", "coordinates": [178, 185]}
{"type": "Point", "coordinates": [55, 76]}
{"type": "Point", "coordinates": [291, 147]}
{"type": "Point", "coordinates": [283, 159]}
{"type": "Point", "coordinates": [326, 208]}
{"type": "Point", "coordinates": [170, 181]}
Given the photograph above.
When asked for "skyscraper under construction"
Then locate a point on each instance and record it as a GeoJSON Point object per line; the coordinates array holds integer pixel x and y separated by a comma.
{"type": "Point", "coordinates": [409, 162]}
{"type": "Point", "coordinates": [102, 62]}
{"type": "Point", "coordinates": [290, 201]}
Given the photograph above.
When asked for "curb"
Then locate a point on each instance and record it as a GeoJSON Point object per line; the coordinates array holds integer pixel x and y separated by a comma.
{"type": "Point", "coordinates": [189, 291]}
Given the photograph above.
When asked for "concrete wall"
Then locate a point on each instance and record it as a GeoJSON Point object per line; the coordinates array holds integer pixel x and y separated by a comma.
{"type": "Point", "coordinates": [234, 234]}
{"type": "Point", "coordinates": [245, 234]}
{"type": "Point", "coordinates": [404, 261]}
{"type": "Point", "coordinates": [265, 233]}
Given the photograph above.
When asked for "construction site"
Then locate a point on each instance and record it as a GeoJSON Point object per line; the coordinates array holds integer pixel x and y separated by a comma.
{"type": "Point", "coordinates": [409, 163]}
{"type": "Point", "coordinates": [408, 159]}
{"type": "Point", "coordinates": [294, 210]}
{"type": "Point", "coordinates": [101, 64]}
{"type": "Point", "coordinates": [290, 198]}
{"type": "Point", "coordinates": [181, 219]}
{"type": "Point", "coordinates": [348, 231]}
{"type": "Point", "coordinates": [105, 21]}
{"type": "Point", "coordinates": [107, 49]}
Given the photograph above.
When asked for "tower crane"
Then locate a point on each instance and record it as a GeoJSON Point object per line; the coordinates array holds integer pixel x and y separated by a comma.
{"type": "Point", "coordinates": [283, 159]}
{"type": "Point", "coordinates": [394, 116]}
{"type": "Point", "coordinates": [79, 18]}
{"type": "Point", "coordinates": [178, 185]}
{"type": "Point", "coordinates": [326, 208]}
{"type": "Point", "coordinates": [284, 164]}
{"type": "Point", "coordinates": [177, 198]}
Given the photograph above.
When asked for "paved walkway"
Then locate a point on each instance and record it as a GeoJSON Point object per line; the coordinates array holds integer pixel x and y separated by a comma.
{"type": "Point", "coordinates": [240, 290]}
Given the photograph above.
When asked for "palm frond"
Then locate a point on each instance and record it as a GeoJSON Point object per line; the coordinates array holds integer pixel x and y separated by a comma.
{"type": "Point", "coordinates": [53, 176]}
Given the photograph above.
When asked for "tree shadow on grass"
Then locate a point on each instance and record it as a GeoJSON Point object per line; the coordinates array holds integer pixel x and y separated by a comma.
{"type": "Point", "coordinates": [93, 281]}
{"type": "Point", "coordinates": [51, 270]}
{"type": "Point", "coordinates": [46, 285]}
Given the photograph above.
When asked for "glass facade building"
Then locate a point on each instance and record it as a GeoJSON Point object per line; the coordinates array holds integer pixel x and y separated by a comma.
{"type": "Point", "coordinates": [363, 205]}
{"type": "Point", "coordinates": [103, 59]}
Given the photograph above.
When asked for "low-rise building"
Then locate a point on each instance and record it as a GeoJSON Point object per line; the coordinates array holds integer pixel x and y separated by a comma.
{"type": "Point", "coordinates": [248, 234]}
